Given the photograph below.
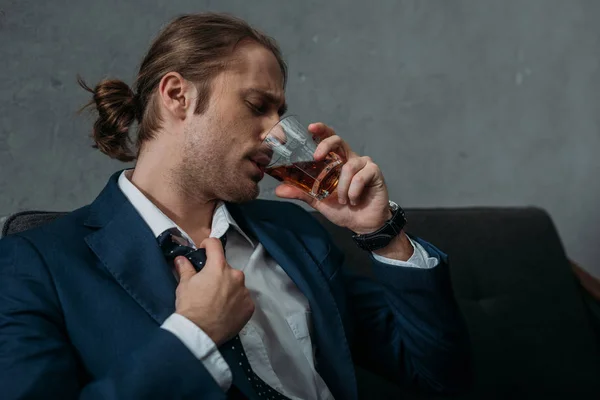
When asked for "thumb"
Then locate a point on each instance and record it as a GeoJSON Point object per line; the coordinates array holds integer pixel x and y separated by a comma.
{"type": "Point", "coordinates": [184, 268]}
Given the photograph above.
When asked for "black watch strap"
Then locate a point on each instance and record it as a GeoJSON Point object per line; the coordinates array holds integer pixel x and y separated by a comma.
{"type": "Point", "coordinates": [384, 235]}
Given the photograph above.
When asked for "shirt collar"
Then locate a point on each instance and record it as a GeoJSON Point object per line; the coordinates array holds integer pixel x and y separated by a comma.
{"type": "Point", "coordinates": [159, 222]}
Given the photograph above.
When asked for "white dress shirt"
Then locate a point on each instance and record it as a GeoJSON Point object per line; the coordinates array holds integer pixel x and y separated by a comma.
{"type": "Point", "coordinates": [277, 338]}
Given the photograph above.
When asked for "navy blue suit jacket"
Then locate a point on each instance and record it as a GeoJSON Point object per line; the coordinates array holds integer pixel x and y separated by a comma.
{"type": "Point", "coordinates": [82, 300]}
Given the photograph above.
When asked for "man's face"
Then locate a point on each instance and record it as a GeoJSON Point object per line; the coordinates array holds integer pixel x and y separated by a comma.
{"type": "Point", "coordinates": [221, 149]}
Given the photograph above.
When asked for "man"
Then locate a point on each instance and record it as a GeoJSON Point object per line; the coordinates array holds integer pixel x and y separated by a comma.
{"type": "Point", "coordinates": [90, 307]}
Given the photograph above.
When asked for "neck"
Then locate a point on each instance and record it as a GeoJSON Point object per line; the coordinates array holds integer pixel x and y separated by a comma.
{"type": "Point", "coordinates": [193, 215]}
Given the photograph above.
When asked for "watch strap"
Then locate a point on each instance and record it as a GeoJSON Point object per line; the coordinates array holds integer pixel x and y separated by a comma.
{"type": "Point", "coordinates": [384, 235]}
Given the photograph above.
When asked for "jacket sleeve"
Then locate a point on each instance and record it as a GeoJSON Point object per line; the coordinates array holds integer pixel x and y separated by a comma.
{"type": "Point", "coordinates": [408, 325]}
{"type": "Point", "coordinates": [38, 361]}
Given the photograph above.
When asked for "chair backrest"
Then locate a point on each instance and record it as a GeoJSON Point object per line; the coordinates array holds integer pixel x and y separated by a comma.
{"type": "Point", "coordinates": [529, 328]}
{"type": "Point", "coordinates": [25, 220]}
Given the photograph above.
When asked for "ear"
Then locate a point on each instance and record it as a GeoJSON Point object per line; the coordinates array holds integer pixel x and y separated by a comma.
{"type": "Point", "coordinates": [176, 95]}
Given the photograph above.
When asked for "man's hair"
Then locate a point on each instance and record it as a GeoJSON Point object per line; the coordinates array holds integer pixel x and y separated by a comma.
{"type": "Point", "coordinates": [197, 46]}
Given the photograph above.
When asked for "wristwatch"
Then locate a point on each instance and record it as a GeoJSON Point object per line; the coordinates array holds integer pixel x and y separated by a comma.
{"type": "Point", "coordinates": [384, 235]}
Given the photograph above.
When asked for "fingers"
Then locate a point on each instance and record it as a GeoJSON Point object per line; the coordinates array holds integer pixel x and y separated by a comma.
{"type": "Point", "coordinates": [328, 141]}
{"type": "Point", "coordinates": [184, 268]}
{"type": "Point", "coordinates": [327, 145]}
{"type": "Point", "coordinates": [322, 133]}
{"type": "Point", "coordinates": [321, 130]}
{"type": "Point", "coordinates": [238, 277]}
{"type": "Point", "coordinates": [349, 170]}
{"type": "Point", "coordinates": [363, 178]}
{"type": "Point", "coordinates": [214, 250]}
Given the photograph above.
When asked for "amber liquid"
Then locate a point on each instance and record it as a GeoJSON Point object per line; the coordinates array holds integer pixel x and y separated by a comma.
{"type": "Point", "coordinates": [317, 178]}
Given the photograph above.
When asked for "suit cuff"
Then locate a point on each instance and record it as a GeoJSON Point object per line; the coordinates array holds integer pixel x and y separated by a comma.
{"type": "Point", "coordinates": [203, 348]}
{"type": "Point", "coordinates": [419, 259]}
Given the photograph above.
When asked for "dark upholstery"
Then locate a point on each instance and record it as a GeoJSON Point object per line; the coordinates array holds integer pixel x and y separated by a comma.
{"type": "Point", "coordinates": [28, 219]}
{"type": "Point", "coordinates": [530, 332]}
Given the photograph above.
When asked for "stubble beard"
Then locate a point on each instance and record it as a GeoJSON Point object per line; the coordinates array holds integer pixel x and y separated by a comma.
{"type": "Point", "coordinates": [202, 176]}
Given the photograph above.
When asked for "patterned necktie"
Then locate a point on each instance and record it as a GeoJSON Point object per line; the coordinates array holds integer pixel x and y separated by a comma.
{"type": "Point", "coordinates": [173, 244]}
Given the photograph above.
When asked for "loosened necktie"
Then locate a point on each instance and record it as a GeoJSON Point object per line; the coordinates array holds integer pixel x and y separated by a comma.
{"type": "Point", "coordinates": [173, 244]}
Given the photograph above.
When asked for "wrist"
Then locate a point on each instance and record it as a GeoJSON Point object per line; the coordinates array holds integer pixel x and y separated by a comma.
{"type": "Point", "coordinates": [207, 328]}
{"type": "Point", "coordinates": [391, 228]}
{"type": "Point", "coordinates": [370, 229]}
{"type": "Point", "coordinates": [400, 248]}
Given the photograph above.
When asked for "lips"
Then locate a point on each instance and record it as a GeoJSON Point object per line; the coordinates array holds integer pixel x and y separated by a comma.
{"type": "Point", "coordinates": [259, 171]}
{"type": "Point", "coordinates": [261, 159]}
{"type": "Point", "coordinates": [260, 167]}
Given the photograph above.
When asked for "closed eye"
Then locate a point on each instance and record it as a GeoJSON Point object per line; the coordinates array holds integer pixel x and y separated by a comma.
{"type": "Point", "coordinates": [261, 102]}
{"type": "Point", "coordinates": [257, 109]}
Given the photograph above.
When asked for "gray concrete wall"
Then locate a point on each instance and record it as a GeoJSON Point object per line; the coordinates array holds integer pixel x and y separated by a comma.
{"type": "Point", "coordinates": [479, 102]}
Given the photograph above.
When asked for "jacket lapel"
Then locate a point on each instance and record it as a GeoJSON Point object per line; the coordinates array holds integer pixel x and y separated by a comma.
{"type": "Point", "coordinates": [126, 247]}
{"type": "Point", "coordinates": [128, 250]}
{"type": "Point", "coordinates": [334, 361]}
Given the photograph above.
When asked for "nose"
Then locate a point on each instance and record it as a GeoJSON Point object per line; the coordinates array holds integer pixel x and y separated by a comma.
{"type": "Point", "coordinates": [269, 123]}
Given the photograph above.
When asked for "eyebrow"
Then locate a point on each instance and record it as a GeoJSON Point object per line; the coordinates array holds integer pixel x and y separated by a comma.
{"type": "Point", "coordinates": [269, 98]}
